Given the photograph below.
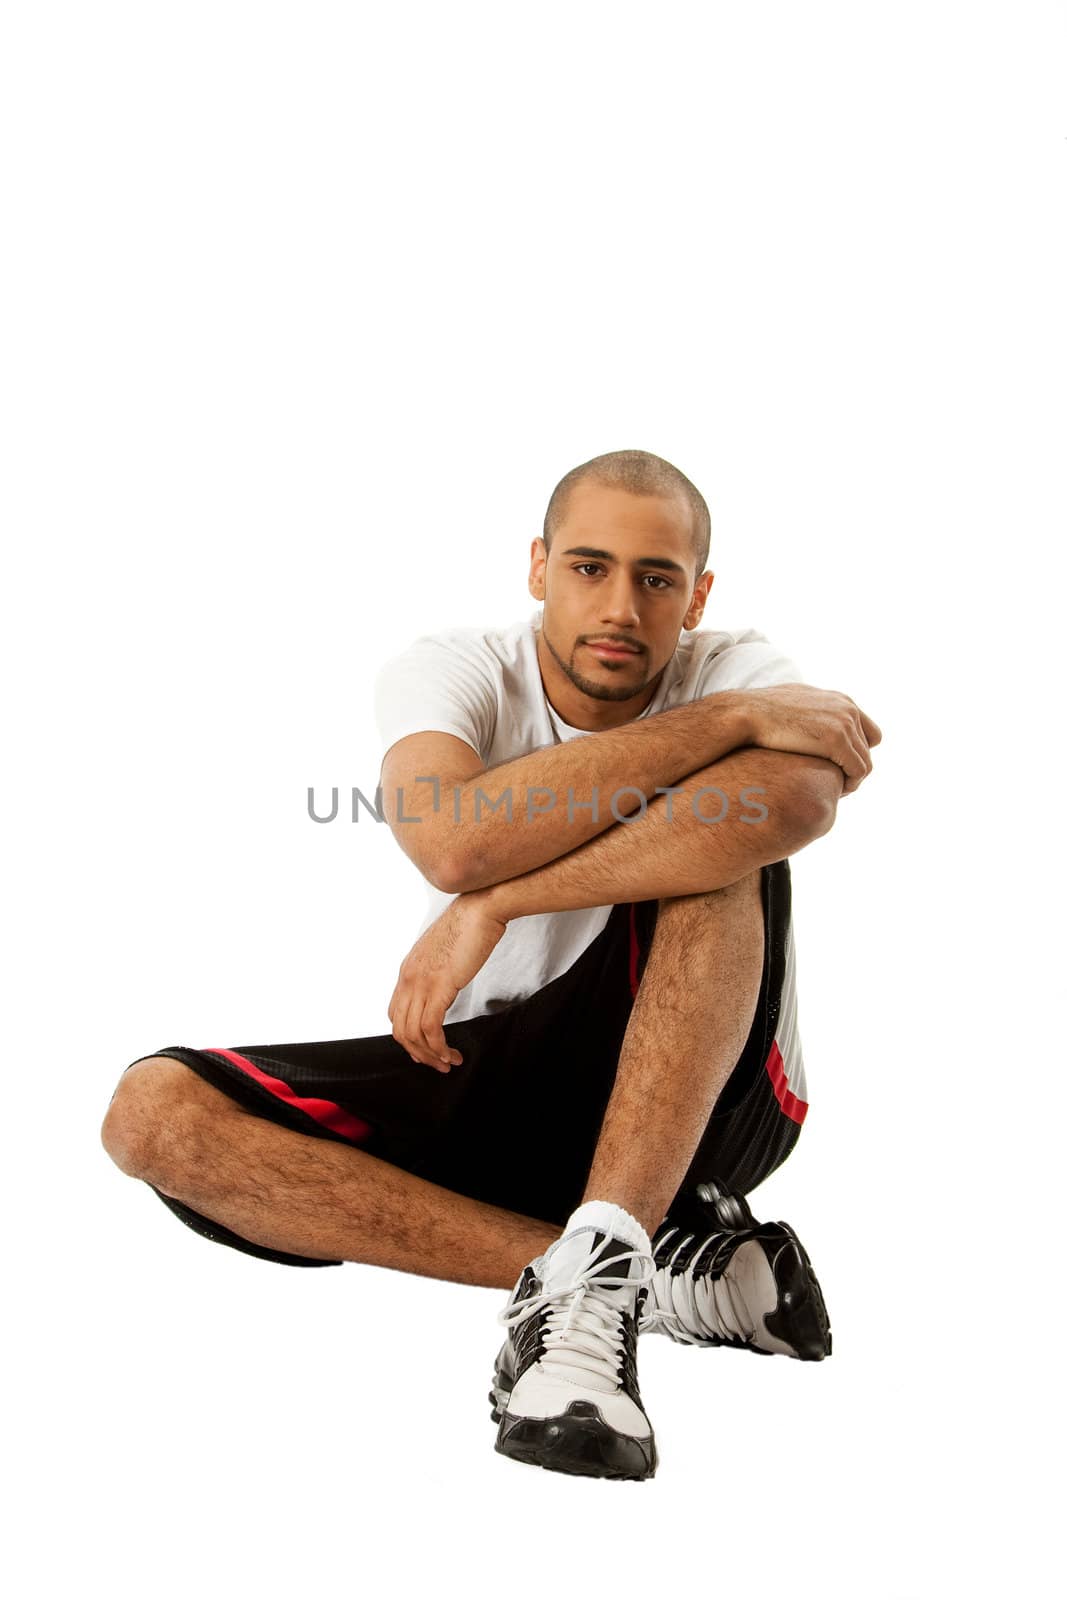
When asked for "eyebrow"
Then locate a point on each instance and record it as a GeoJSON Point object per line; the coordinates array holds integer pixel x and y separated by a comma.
{"type": "Point", "coordinates": [642, 561]}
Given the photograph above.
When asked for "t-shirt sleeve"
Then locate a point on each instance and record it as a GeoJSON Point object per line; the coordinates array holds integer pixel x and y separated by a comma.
{"type": "Point", "coordinates": [438, 684]}
{"type": "Point", "coordinates": [749, 661]}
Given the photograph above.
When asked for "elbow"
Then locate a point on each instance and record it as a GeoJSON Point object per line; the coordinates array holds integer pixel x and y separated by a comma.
{"type": "Point", "coordinates": [819, 817]}
{"type": "Point", "coordinates": [452, 875]}
{"type": "Point", "coordinates": [466, 871]}
{"type": "Point", "coordinates": [811, 808]}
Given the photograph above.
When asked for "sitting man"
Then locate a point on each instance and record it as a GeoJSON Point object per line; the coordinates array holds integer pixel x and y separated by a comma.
{"type": "Point", "coordinates": [594, 1053]}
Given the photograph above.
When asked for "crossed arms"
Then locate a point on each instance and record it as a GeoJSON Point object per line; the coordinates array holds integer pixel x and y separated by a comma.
{"type": "Point", "coordinates": [779, 758]}
{"type": "Point", "coordinates": [751, 776]}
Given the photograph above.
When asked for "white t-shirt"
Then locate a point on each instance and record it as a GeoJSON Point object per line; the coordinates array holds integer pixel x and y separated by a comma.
{"type": "Point", "coordinates": [484, 686]}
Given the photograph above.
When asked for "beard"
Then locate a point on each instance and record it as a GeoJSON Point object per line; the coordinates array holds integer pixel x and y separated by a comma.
{"type": "Point", "coordinates": [594, 687]}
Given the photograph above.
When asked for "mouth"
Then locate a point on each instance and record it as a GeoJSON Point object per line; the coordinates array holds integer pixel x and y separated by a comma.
{"type": "Point", "coordinates": [612, 652]}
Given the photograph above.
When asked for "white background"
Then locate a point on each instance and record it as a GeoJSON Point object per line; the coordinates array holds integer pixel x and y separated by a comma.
{"type": "Point", "coordinates": [307, 309]}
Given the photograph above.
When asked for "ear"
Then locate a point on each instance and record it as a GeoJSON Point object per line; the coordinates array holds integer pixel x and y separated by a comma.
{"type": "Point", "coordinates": [701, 590]}
{"type": "Point", "coordinates": [538, 562]}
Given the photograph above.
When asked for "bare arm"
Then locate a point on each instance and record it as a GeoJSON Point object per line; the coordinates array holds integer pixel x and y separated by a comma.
{"type": "Point", "coordinates": [467, 828]}
{"type": "Point", "coordinates": [526, 812]}
{"type": "Point", "coordinates": [666, 852]}
{"type": "Point", "coordinates": [669, 851]}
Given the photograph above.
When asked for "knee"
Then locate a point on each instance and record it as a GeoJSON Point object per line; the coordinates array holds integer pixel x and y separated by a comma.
{"type": "Point", "coordinates": [146, 1122]}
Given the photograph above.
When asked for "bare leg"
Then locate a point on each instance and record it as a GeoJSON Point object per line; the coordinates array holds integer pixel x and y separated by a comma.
{"type": "Point", "coordinates": [306, 1196]}
{"type": "Point", "coordinates": [688, 1027]}
{"type": "Point", "coordinates": [314, 1197]}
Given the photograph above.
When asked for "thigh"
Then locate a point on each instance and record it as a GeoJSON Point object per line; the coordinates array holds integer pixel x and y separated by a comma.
{"type": "Point", "coordinates": [364, 1091]}
{"type": "Point", "coordinates": [471, 1128]}
{"type": "Point", "coordinates": [514, 1125]}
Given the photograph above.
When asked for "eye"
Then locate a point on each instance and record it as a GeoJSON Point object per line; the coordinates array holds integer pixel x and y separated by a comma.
{"type": "Point", "coordinates": [659, 583]}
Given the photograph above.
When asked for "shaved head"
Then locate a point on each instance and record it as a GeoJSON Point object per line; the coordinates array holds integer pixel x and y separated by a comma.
{"type": "Point", "coordinates": [638, 472]}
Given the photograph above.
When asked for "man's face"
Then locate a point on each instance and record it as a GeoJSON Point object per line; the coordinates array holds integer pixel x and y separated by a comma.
{"type": "Point", "coordinates": [621, 570]}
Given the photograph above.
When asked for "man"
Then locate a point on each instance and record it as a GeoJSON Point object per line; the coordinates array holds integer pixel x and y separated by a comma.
{"type": "Point", "coordinates": [594, 1053]}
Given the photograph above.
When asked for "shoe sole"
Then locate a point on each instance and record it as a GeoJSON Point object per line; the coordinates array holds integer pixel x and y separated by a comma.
{"type": "Point", "coordinates": [578, 1442]}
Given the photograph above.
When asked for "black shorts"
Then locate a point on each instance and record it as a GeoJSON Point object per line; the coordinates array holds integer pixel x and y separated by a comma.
{"type": "Point", "coordinates": [517, 1122]}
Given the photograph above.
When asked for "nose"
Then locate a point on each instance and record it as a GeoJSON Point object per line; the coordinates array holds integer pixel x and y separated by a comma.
{"type": "Point", "coordinates": [619, 608]}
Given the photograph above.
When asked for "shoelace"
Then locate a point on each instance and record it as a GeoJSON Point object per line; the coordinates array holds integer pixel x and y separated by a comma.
{"type": "Point", "coordinates": [582, 1328]}
{"type": "Point", "coordinates": [697, 1308]}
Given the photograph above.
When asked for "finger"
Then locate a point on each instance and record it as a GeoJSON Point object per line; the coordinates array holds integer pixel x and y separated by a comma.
{"type": "Point", "coordinates": [397, 1007]}
{"type": "Point", "coordinates": [403, 1032]}
{"type": "Point", "coordinates": [433, 1029]}
{"type": "Point", "coordinates": [414, 1040]}
{"type": "Point", "coordinates": [862, 749]}
{"type": "Point", "coordinates": [400, 990]}
{"type": "Point", "coordinates": [861, 757]}
{"type": "Point", "coordinates": [427, 1030]}
{"type": "Point", "coordinates": [418, 1038]}
{"type": "Point", "coordinates": [854, 762]}
{"type": "Point", "coordinates": [871, 729]}
{"type": "Point", "coordinates": [852, 784]}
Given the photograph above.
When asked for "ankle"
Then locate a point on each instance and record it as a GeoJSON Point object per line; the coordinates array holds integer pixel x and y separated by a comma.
{"type": "Point", "coordinates": [519, 1254]}
{"type": "Point", "coordinates": [612, 1217]}
{"type": "Point", "coordinates": [647, 1217]}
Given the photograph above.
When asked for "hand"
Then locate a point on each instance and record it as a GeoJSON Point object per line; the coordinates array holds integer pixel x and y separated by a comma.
{"type": "Point", "coordinates": [451, 952]}
{"type": "Point", "coordinates": [813, 722]}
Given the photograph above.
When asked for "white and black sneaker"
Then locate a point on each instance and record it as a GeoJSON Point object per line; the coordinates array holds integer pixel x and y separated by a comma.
{"type": "Point", "coordinates": [722, 1278]}
{"type": "Point", "coordinates": [565, 1390]}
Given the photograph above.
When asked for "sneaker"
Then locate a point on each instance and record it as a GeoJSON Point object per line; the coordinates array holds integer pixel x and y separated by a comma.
{"type": "Point", "coordinates": [565, 1390]}
{"type": "Point", "coordinates": [723, 1278]}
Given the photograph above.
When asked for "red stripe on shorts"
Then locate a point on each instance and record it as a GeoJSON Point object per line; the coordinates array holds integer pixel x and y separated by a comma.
{"type": "Point", "coordinates": [793, 1107]}
{"type": "Point", "coordinates": [330, 1115]}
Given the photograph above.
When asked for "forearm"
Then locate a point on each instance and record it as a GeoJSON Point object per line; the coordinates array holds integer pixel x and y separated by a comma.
{"type": "Point", "coordinates": [670, 851]}
{"type": "Point", "coordinates": [554, 800]}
